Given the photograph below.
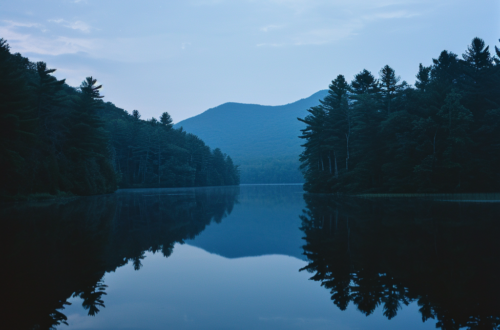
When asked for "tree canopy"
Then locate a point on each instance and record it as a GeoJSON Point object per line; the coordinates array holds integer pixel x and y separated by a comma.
{"type": "Point", "coordinates": [383, 135]}
{"type": "Point", "coordinates": [55, 138]}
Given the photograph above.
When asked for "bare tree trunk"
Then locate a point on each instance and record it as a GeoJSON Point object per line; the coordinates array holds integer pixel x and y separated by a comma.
{"type": "Point", "coordinates": [348, 236]}
{"type": "Point", "coordinates": [330, 162]}
{"type": "Point", "coordinates": [347, 152]}
{"type": "Point", "coordinates": [434, 151]}
{"type": "Point", "coordinates": [336, 168]}
{"type": "Point", "coordinates": [347, 136]}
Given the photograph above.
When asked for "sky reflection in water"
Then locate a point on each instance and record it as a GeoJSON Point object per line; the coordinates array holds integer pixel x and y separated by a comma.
{"type": "Point", "coordinates": [248, 279]}
{"type": "Point", "coordinates": [239, 266]}
{"type": "Point", "coordinates": [193, 289]}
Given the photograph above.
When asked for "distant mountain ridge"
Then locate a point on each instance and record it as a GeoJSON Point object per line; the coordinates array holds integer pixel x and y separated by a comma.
{"type": "Point", "coordinates": [263, 140]}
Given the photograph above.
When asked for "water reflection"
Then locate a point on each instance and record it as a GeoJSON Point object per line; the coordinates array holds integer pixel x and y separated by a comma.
{"type": "Point", "coordinates": [443, 255]}
{"type": "Point", "coordinates": [58, 250]}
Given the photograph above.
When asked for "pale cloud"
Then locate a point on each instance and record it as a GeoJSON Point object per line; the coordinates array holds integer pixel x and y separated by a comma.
{"type": "Point", "coordinates": [29, 43]}
{"type": "Point", "coordinates": [268, 28]}
{"type": "Point", "coordinates": [117, 49]}
{"type": "Point", "coordinates": [13, 24]}
{"type": "Point", "coordinates": [346, 20]}
{"type": "Point", "coordinates": [325, 36]}
{"type": "Point", "coordinates": [271, 45]}
{"type": "Point", "coordinates": [390, 15]}
{"type": "Point", "coordinates": [76, 25]}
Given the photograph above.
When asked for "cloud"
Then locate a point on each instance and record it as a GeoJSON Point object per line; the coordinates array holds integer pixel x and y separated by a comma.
{"type": "Point", "coordinates": [76, 25]}
{"type": "Point", "coordinates": [268, 28]}
{"type": "Point", "coordinates": [13, 24]}
{"type": "Point", "coordinates": [30, 43]}
{"type": "Point", "coordinates": [271, 44]}
{"type": "Point", "coordinates": [332, 21]}
{"type": "Point", "coordinates": [325, 36]}
{"type": "Point", "coordinates": [390, 15]}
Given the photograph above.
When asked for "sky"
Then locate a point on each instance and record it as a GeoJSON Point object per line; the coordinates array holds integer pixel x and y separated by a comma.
{"type": "Point", "coordinates": [187, 56]}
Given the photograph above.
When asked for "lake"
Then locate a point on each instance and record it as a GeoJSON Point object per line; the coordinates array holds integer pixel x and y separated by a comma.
{"type": "Point", "coordinates": [251, 257]}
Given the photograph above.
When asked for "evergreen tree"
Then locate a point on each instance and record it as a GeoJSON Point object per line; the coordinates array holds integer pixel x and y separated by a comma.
{"type": "Point", "coordinates": [477, 55]}
{"type": "Point", "coordinates": [88, 143]}
{"type": "Point", "coordinates": [17, 125]}
{"type": "Point", "coordinates": [423, 77]}
{"type": "Point", "coordinates": [339, 116]}
{"type": "Point", "coordinates": [136, 114]}
{"type": "Point", "coordinates": [317, 150]}
{"type": "Point", "coordinates": [441, 136]}
{"type": "Point", "coordinates": [389, 85]}
{"type": "Point", "coordinates": [364, 83]}
{"type": "Point", "coordinates": [55, 138]}
{"type": "Point", "coordinates": [166, 120]}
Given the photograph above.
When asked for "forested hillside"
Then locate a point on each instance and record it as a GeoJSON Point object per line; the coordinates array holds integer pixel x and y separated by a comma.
{"type": "Point", "coordinates": [55, 138]}
{"type": "Point", "coordinates": [383, 135]}
{"type": "Point", "coordinates": [261, 139]}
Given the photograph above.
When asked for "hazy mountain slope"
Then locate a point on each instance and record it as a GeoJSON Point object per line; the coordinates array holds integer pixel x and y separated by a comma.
{"type": "Point", "coordinates": [263, 140]}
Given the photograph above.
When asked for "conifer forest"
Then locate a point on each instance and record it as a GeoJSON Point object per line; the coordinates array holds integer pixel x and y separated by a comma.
{"type": "Point", "coordinates": [380, 134]}
{"type": "Point", "coordinates": [57, 139]}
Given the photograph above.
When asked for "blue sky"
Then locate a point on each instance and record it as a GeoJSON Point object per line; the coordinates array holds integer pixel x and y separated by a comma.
{"type": "Point", "coordinates": [187, 56]}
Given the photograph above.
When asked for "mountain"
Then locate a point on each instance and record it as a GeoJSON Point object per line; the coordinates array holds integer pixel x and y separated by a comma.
{"type": "Point", "coordinates": [262, 140]}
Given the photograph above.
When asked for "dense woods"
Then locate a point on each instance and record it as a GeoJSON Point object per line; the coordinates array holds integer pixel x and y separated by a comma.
{"type": "Point", "coordinates": [55, 138]}
{"type": "Point", "coordinates": [383, 135]}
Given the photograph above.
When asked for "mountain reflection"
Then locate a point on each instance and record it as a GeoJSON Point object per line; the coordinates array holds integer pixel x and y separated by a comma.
{"type": "Point", "coordinates": [63, 249]}
{"type": "Point", "coordinates": [443, 255]}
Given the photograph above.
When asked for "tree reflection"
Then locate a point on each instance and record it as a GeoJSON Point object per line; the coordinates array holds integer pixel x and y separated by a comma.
{"type": "Point", "coordinates": [62, 249]}
{"type": "Point", "coordinates": [388, 253]}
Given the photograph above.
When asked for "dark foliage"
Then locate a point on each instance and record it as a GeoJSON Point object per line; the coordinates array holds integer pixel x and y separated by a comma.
{"type": "Point", "coordinates": [55, 138]}
{"type": "Point", "coordinates": [380, 135]}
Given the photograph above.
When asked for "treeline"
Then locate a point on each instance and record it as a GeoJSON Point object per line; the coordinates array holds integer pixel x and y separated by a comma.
{"type": "Point", "coordinates": [271, 170]}
{"type": "Point", "coordinates": [55, 138]}
{"type": "Point", "coordinates": [151, 153]}
{"type": "Point", "coordinates": [383, 135]}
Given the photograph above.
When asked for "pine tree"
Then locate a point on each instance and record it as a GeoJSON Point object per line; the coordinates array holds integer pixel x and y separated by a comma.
{"type": "Point", "coordinates": [166, 120]}
{"type": "Point", "coordinates": [364, 83]}
{"type": "Point", "coordinates": [339, 115]}
{"type": "Point", "coordinates": [88, 143]}
{"type": "Point", "coordinates": [389, 85]}
{"type": "Point", "coordinates": [318, 160]}
{"type": "Point", "coordinates": [477, 55]}
{"type": "Point", "coordinates": [17, 125]}
{"type": "Point", "coordinates": [423, 77]}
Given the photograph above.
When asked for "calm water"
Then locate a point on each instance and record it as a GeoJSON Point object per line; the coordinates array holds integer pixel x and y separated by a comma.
{"type": "Point", "coordinates": [253, 257]}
